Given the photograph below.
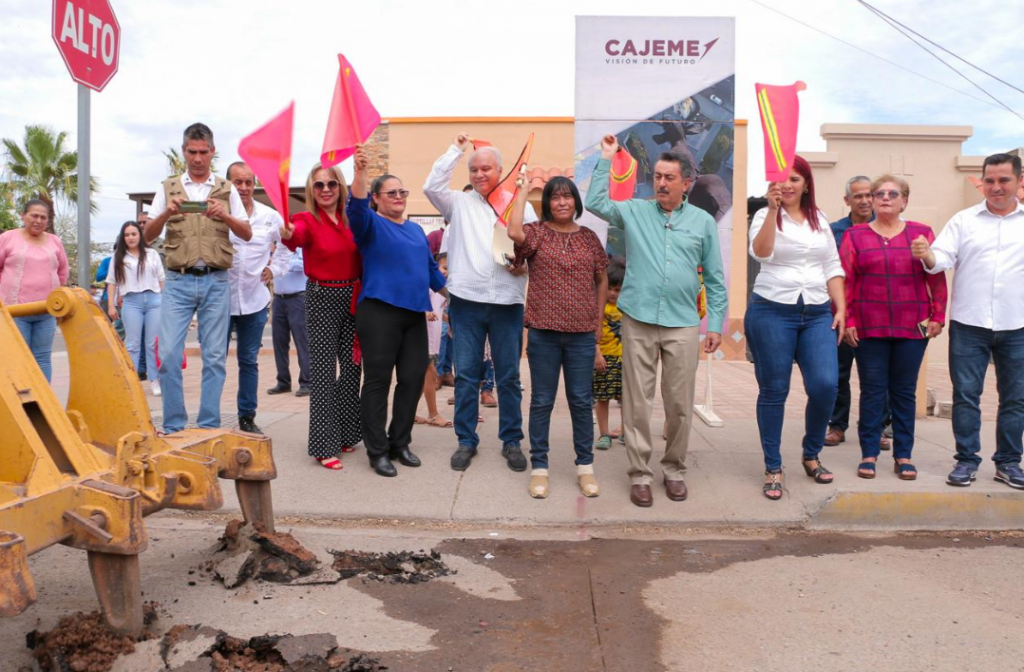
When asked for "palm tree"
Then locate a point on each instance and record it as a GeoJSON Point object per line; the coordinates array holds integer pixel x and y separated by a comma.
{"type": "Point", "coordinates": [176, 164]}
{"type": "Point", "coordinates": [43, 169]}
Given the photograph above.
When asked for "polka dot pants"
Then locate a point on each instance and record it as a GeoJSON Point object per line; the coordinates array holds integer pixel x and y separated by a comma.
{"type": "Point", "coordinates": [334, 419]}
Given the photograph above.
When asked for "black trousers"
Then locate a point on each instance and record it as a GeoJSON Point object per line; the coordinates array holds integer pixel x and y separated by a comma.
{"type": "Point", "coordinates": [392, 339]}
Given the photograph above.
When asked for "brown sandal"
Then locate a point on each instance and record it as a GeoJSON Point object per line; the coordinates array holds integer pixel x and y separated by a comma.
{"type": "Point", "coordinates": [439, 421]}
{"type": "Point", "coordinates": [819, 472]}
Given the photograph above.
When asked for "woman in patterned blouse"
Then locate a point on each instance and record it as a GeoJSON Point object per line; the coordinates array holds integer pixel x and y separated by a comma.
{"type": "Point", "coordinates": [893, 308]}
{"type": "Point", "coordinates": [564, 308]}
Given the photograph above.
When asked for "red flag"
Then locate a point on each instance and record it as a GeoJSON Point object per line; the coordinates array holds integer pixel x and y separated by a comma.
{"type": "Point", "coordinates": [268, 152]}
{"type": "Point", "coordinates": [780, 114]}
{"type": "Point", "coordinates": [622, 176]}
{"type": "Point", "coordinates": [353, 117]}
{"type": "Point", "coordinates": [504, 194]}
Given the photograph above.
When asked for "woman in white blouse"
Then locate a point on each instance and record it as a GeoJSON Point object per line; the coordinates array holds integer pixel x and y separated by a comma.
{"type": "Point", "coordinates": [136, 278]}
{"type": "Point", "coordinates": [789, 318]}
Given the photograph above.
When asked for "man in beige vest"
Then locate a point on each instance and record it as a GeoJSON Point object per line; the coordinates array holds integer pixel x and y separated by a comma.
{"type": "Point", "coordinates": [198, 210]}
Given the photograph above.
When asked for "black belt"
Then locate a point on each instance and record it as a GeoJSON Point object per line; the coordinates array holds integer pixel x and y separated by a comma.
{"type": "Point", "coordinates": [197, 270]}
{"type": "Point", "coordinates": [290, 296]}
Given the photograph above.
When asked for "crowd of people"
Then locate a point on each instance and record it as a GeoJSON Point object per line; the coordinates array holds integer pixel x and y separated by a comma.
{"type": "Point", "coordinates": [367, 298]}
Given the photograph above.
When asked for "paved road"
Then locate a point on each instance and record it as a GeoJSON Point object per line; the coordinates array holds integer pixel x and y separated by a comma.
{"type": "Point", "coordinates": [799, 602]}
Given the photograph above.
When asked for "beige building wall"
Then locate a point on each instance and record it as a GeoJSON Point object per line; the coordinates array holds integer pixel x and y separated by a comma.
{"type": "Point", "coordinates": [416, 142]}
{"type": "Point", "coordinates": [927, 157]}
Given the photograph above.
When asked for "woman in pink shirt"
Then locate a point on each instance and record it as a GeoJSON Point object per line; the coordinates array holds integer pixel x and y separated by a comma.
{"type": "Point", "coordinates": [33, 264]}
{"type": "Point", "coordinates": [892, 308]}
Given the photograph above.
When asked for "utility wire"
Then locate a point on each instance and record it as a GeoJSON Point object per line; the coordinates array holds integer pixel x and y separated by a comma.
{"type": "Point", "coordinates": [873, 55]}
{"type": "Point", "coordinates": [892, 22]}
{"type": "Point", "coordinates": [939, 46]}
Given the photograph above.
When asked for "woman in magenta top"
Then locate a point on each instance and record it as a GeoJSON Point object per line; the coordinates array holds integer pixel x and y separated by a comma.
{"type": "Point", "coordinates": [33, 264]}
{"type": "Point", "coordinates": [333, 266]}
{"type": "Point", "coordinates": [893, 308]}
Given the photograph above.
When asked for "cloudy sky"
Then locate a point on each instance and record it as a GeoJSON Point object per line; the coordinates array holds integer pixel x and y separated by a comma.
{"type": "Point", "coordinates": [235, 64]}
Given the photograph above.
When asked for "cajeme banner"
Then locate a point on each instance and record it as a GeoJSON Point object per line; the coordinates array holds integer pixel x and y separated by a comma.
{"type": "Point", "coordinates": [657, 83]}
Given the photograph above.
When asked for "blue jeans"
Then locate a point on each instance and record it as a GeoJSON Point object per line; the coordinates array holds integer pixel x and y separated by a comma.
{"type": "Point", "coordinates": [444, 355]}
{"type": "Point", "coordinates": [550, 352]}
{"type": "Point", "coordinates": [208, 297]}
{"type": "Point", "coordinates": [250, 338]}
{"type": "Point", "coordinates": [472, 322]}
{"type": "Point", "coordinates": [888, 368]}
{"type": "Point", "coordinates": [38, 331]}
{"type": "Point", "coordinates": [141, 316]}
{"type": "Point", "coordinates": [779, 333]}
{"type": "Point", "coordinates": [970, 349]}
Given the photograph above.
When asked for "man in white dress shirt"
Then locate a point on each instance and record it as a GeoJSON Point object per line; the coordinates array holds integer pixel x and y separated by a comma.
{"type": "Point", "coordinates": [198, 210]}
{"type": "Point", "coordinates": [250, 297]}
{"type": "Point", "coordinates": [486, 300]}
{"type": "Point", "coordinates": [985, 244]}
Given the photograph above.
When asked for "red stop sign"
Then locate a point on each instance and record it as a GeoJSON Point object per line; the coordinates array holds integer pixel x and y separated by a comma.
{"type": "Point", "coordinates": [89, 39]}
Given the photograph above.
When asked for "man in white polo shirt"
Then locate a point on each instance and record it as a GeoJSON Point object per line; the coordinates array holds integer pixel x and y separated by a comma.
{"type": "Point", "coordinates": [985, 244]}
{"type": "Point", "coordinates": [250, 297]}
{"type": "Point", "coordinates": [486, 300]}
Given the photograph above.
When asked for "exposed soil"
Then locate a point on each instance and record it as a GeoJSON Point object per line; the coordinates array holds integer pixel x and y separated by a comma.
{"type": "Point", "coordinates": [245, 552]}
{"type": "Point", "coordinates": [403, 567]}
{"type": "Point", "coordinates": [83, 643]}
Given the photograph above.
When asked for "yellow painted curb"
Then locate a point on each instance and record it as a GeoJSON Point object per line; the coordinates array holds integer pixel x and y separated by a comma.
{"type": "Point", "coordinates": [932, 510]}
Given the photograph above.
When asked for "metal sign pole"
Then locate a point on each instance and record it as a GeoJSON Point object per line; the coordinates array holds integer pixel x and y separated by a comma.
{"type": "Point", "coordinates": [84, 252]}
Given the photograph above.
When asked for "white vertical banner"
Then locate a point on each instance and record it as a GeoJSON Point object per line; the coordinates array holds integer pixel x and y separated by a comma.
{"type": "Point", "coordinates": [658, 83]}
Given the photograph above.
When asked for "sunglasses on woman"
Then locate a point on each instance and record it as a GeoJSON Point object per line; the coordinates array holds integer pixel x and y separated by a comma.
{"type": "Point", "coordinates": [892, 194]}
{"type": "Point", "coordinates": [395, 193]}
{"type": "Point", "coordinates": [331, 185]}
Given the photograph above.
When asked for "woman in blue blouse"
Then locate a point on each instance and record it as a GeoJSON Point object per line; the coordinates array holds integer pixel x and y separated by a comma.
{"type": "Point", "coordinates": [391, 324]}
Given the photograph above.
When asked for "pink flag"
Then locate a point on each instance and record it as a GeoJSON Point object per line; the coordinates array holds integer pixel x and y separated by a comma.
{"type": "Point", "coordinates": [780, 115]}
{"type": "Point", "coordinates": [268, 152]}
{"type": "Point", "coordinates": [353, 117]}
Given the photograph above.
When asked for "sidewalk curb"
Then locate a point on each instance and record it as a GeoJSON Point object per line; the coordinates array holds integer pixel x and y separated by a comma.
{"type": "Point", "coordinates": [921, 511]}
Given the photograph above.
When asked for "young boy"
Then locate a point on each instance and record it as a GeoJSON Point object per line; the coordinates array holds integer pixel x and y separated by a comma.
{"type": "Point", "coordinates": [435, 323]}
{"type": "Point", "coordinates": [608, 361]}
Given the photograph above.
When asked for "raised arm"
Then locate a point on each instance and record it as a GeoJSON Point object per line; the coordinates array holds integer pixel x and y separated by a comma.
{"type": "Point", "coordinates": [515, 219]}
{"type": "Point", "coordinates": [437, 188]}
{"type": "Point", "coordinates": [360, 217]}
{"type": "Point", "coordinates": [598, 202]}
{"type": "Point", "coordinates": [762, 243]}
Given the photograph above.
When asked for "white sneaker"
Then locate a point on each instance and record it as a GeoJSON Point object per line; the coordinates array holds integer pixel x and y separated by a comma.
{"type": "Point", "coordinates": [155, 388]}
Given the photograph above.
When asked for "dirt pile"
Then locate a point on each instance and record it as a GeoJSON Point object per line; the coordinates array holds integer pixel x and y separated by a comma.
{"type": "Point", "coordinates": [310, 653]}
{"type": "Point", "coordinates": [83, 643]}
{"type": "Point", "coordinates": [251, 552]}
{"type": "Point", "coordinates": [403, 567]}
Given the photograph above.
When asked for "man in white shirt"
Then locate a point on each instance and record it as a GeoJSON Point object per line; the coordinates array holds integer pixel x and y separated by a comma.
{"type": "Point", "coordinates": [985, 244]}
{"type": "Point", "coordinates": [486, 300]}
{"type": "Point", "coordinates": [250, 298]}
{"type": "Point", "coordinates": [289, 319]}
{"type": "Point", "coordinates": [198, 209]}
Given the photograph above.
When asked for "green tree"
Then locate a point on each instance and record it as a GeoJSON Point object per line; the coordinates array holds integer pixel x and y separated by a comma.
{"type": "Point", "coordinates": [44, 169]}
{"type": "Point", "coordinates": [176, 163]}
{"type": "Point", "coordinates": [8, 210]}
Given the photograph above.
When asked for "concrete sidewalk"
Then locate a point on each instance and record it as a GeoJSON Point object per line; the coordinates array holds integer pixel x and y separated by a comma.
{"type": "Point", "coordinates": [724, 478]}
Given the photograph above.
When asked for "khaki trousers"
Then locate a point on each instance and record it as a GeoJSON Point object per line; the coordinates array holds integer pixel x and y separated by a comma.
{"type": "Point", "coordinates": [678, 349]}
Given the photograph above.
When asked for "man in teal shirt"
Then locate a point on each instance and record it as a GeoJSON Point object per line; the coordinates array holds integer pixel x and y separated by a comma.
{"type": "Point", "coordinates": [667, 240]}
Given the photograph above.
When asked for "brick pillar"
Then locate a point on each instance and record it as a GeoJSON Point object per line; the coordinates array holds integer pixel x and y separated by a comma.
{"type": "Point", "coordinates": [379, 149]}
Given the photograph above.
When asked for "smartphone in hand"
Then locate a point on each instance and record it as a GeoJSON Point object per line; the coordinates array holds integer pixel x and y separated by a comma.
{"type": "Point", "coordinates": [193, 207]}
